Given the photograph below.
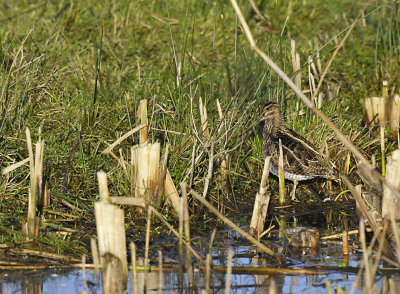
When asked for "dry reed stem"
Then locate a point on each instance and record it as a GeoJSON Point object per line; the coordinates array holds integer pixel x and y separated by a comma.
{"type": "Point", "coordinates": [180, 248]}
{"type": "Point", "coordinates": [111, 237]}
{"type": "Point", "coordinates": [391, 203]}
{"type": "Point", "coordinates": [382, 133]}
{"type": "Point", "coordinates": [307, 101]}
{"type": "Point", "coordinates": [162, 174]}
{"type": "Point", "coordinates": [146, 250]}
{"type": "Point", "coordinates": [396, 234]}
{"type": "Point", "coordinates": [133, 201]}
{"type": "Point", "coordinates": [95, 255]}
{"type": "Point", "coordinates": [208, 272]}
{"type": "Point", "coordinates": [122, 138]}
{"type": "Point", "coordinates": [203, 119]}
{"type": "Point", "coordinates": [345, 238]}
{"type": "Point", "coordinates": [186, 226]}
{"type": "Point", "coordinates": [281, 175]}
{"type": "Point", "coordinates": [103, 187]}
{"type": "Point", "coordinates": [134, 280]}
{"type": "Point", "coordinates": [394, 113]}
{"type": "Point", "coordinates": [378, 254]}
{"type": "Point", "coordinates": [228, 271]}
{"type": "Point", "coordinates": [16, 165]}
{"type": "Point", "coordinates": [45, 254]}
{"type": "Point", "coordinates": [210, 169]}
{"type": "Point", "coordinates": [272, 287]}
{"type": "Point", "coordinates": [84, 273]}
{"type": "Point", "coordinates": [339, 235]}
{"type": "Point", "coordinates": [260, 204]}
{"type": "Point", "coordinates": [142, 116]}
{"type": "Point", "coordinates": [210, 243]}
{"type": "Point", "coordinates": [256, 10]}
{"type": "Point", "coordinates": [31, 206]}
{"type": "Point", "coordinates": [171, 192]}
{"type": "Point", "coordinates": [227, 221]}
{"type": "Point", "coordinates": [160, 272]}
{"type": "Point", "coordinates": [295, 63]}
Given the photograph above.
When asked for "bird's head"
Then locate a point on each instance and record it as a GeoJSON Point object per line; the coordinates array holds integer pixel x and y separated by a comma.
{"type": "Point", "coordinates": [272, 115]}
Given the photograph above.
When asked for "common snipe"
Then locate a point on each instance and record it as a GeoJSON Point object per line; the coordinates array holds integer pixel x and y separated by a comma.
{"type": "Point", "coordinates": [301, 160]}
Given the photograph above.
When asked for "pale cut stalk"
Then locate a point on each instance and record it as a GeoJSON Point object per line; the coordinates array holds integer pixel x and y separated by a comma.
{"type": "Point", "coordinates": [142, 116]}
{"type": "Point", "coordinates": [208, 272]}
{"type": "Point", "coordinates": [146, 251]}
{"type": "Point", "coordinates": [186, 227]}
{"type": "Point", "coordinates": [160, 272]}
{"type": "Point", "coordinates": [260, 204]}
{"type": "Point", "coordinates": [95, 255]}
{"type": "Point", "coordinates": [122, 138]}
{"type": "Point", "coordinates": [383, 150]}
{"type": "Point", "coordinates": [228, 271]}
{"type": "Point", "coordinates": [134, 280]}
{"type": "Point", "coordinates": [281, 175]}
{"type": "Point", "coordinates": [16, 165]}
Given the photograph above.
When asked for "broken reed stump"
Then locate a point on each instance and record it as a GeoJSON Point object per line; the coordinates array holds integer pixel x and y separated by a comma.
{"type": "Point", "coordinates": [260, 204]}
{"type": "Point", "coordinates": [146, 158]}
{"type": "Point", "coordinates": [382, 111]}
{"type": "Point", "coordinates": [36, 191]}
{"type": "Point", "coordinates": [390, 203]}
{"type": "Point", "coordinates": [394, 116]}
{"type": "Point", "coordinates": [111, 237]}
{"type": "Point", "coordinates": [150, 178]}
{"type": "Point", "coordinates": [39, 193]}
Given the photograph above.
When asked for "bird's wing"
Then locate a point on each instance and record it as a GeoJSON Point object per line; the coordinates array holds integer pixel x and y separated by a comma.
{"type": "Point", "coordinates": [300, 154]}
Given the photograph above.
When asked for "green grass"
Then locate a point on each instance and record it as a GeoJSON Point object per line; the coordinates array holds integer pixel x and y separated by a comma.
{"type": "Point", "coordinates": [85, 66]}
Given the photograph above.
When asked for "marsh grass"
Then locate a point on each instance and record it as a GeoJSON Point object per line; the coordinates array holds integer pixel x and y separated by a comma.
{"type": "Point", "coordinates": [78, 71]}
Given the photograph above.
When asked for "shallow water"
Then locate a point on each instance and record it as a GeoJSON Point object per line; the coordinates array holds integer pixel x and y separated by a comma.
{"type": "Point", "coordinates": [328, 256]}
{"type": "Point", "coordinates": [74, 281]}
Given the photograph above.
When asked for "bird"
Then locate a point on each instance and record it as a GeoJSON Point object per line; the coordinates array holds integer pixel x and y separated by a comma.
{"type": "Point", "coordinates": [301, 160]}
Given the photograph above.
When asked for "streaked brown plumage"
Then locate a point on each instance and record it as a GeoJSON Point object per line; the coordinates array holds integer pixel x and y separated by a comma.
{"type": "Point", "coordinates": [301, 160]}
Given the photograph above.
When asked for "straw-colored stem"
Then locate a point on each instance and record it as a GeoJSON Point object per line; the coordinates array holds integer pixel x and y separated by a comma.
{"type": "Point", "coordinates": [142, 115]}
{"type": "Point", "coordinates": [260, 204]}
{"type": "Point", "coordinates": [134, 280]}
{"type": "Point", "coordinates": [228, 271]}
{"type": "Point", "coordinates": [186, 227]}
{"type": "Point", "coordinates": [122, 138]}
{"type": "Point", "coordinates": [160, 272]}
{"type": "Point", "coordinates": [208, 272]}
{"type": "Point", "coordinates": [367, 265]}
{"type": "Point", "coordinates": [345, 239]}
{"type": "Point", "coordinates": [32, 190]}
{"type": "Point", "coordinates": [95, 255]}
{"type": "Point", "coordinates": [382, 133]}
{"type": "Point", "coordinates": [180, 248]}
{"type": "Point", "coordinates": [281, 175]}
{"type": "Point", "coordinates": [103, 187]}
{"type": "Point", "coordinates": [146, 251]}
